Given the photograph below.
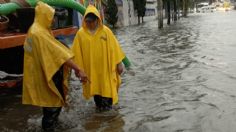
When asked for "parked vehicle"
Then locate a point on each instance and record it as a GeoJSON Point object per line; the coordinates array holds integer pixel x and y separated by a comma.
{"type": "Point", "coordinates": [205, 8]}
{"type": "Point", "coordinates": [13, 29]}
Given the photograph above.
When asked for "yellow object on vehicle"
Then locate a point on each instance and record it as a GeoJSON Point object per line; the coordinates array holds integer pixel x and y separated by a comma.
{"type": "Point", "coordinates": [98, 55]}
{"type": "Point", "coordinates": [43, 56]}
{"type": "Point", "coordinates": [226, 4]}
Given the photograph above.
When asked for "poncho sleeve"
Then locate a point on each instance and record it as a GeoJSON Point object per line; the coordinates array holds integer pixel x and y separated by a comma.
{"type": "Point", "coordinates": [117, 54]}
{"type": "Point", "coordinates": [51, 54]}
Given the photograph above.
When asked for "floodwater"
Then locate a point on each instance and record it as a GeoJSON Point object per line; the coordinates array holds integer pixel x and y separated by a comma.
{"type": "Point", "coordinates": [185, 81]}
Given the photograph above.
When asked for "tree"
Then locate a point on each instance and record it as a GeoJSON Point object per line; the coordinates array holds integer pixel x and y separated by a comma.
{"type": "Point", "coordinates": [175, 10]}
{"type": "Point", "coordinates": [160, 13]}
{"type": "Point", "coordinates": [168, 11]}
{"type": "Point", "coordinates": [111, 12]}
{"type": "Point", "coordinates": [140, 7]}
{"type": "Point", "coordinates": [185, 7]}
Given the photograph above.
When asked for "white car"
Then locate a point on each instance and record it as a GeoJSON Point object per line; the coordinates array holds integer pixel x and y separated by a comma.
{"type": "Point", "coordinates": [207, 9]}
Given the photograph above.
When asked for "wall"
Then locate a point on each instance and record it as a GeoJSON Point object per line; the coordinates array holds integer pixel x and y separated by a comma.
{"type": "Point", "coordinates": [127, 16]}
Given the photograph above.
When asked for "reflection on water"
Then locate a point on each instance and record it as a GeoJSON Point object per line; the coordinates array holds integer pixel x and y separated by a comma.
{"type": "Point", "coordinates": [185, 79]}
{"type": "Point", "coordinates": [105, 123]}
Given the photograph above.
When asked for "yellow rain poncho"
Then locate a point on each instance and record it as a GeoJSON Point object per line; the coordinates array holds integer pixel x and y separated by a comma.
{"type": "Point", "coordinates": [43, 56]}
{"type": "Point", "coordinates": [98, 55]}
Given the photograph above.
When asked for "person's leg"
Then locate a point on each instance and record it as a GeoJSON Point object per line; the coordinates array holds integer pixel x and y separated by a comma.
{"type": "Point", "coordinates": [106, 103]}
{"type": "Point", "coordinates": [51, 114]}
{"type": "Point", "coordinates": [50, 117]}
{"type": "Point", "coordinates": [97, 100]}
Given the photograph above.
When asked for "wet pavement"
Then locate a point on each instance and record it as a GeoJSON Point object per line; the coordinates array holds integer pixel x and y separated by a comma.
{"type": "Point", "coordinates": [185, 81]}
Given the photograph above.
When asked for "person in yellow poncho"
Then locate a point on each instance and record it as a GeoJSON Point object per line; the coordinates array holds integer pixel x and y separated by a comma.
{"type": "Point", "coordinates": [45, 63]}
{"type": "Point", "coordinates": [99, 54]}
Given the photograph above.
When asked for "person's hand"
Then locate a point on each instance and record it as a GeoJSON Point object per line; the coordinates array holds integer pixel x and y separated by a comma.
{"type": "Point", "coordinates": [120, 68]}
{"type": "Point", "coordinates": [78, 72]}
{"type": "Point", "coordinates": [82, 76]}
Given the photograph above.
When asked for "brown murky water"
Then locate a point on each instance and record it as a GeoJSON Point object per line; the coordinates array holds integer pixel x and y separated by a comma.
{"type": "Point", "coordinates": [185, 81]}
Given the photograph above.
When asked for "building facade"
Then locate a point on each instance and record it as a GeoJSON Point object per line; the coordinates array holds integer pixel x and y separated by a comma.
{"type": "Point", "coordinates": [128, 16]}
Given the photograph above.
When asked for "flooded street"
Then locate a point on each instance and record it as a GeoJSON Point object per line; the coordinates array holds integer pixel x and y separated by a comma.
{"type": "Point", "coordinates": [185, 81]}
